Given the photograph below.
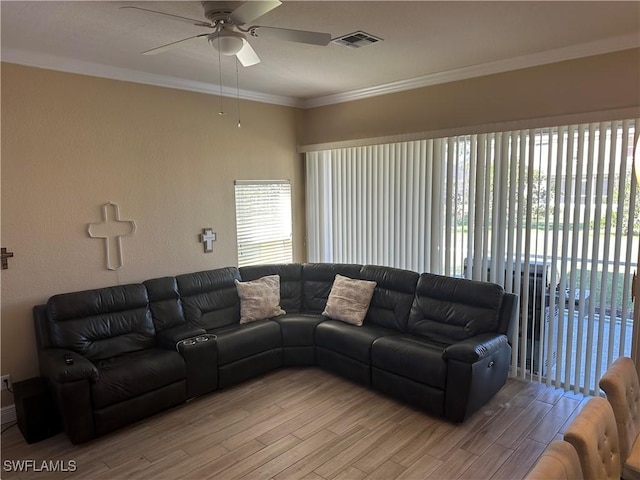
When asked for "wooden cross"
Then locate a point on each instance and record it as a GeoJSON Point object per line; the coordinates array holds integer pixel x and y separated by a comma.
{"type": "Point", "coordinates": [207, 237]}
{"type": "Point", "coordinates": [4, 257]}
{"type": "Point", "coordinates": [112, 229]}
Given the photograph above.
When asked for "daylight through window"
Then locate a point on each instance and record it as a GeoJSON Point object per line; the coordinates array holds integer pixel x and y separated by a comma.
{"type": "Point", "coordinates": [263, 222]}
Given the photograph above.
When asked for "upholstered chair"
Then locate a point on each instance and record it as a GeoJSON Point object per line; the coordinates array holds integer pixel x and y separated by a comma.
{"type": "Point", "coordinates": [594, 435]}
{"type": "Point", "coordinates": [558, 462]}
{"type": "Point", "coordinates": [621, 385]}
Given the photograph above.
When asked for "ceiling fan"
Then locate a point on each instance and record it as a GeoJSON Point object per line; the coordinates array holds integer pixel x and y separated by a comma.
{"type": "Point", "coordinates": [230, 28]}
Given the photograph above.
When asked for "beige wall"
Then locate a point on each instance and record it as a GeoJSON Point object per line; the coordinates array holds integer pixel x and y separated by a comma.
{"type": "Point", "coordinates": [71, 143]}
{"type": "Point", "coordinates": [587, 85]}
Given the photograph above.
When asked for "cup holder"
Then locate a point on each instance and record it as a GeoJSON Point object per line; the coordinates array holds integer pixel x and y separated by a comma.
{"type": "Point", "coordinates": [188, 342]}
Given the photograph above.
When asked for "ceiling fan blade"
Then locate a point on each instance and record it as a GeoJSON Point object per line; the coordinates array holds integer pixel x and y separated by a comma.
{"type": "Point", "coordinates": [247, 56]}
{"type": "Point", "coordinates": [250, 10]}
{"type": "Point", "coordinates": [168, 46]}
{"type": "Point", "coordinates": [300, 36]}
{"type": "Point", "coordinates": [192, 21]}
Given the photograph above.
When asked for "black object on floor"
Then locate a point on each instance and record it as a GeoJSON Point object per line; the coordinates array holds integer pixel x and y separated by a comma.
{"type": "Point", "coordinates": [36, 412]}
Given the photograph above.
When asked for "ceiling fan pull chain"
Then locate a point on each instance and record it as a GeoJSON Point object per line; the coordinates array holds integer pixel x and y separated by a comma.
{"type": "Point", "coordinates": [221, 112]}
{"type": "Point", "coordinates": [238, 92]}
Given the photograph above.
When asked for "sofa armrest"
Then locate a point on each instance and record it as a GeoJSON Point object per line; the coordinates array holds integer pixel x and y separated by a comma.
{"type": "Point", "coordinates": [171, 336]}
{"type": "Point", "coordinates": [472, 349]}
{"type": "Point", "coordinates": [53, 365]}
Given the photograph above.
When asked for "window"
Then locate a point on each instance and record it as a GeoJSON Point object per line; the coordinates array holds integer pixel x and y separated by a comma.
{"type": "Point", "coordinates": [516, 207]}
{"type": "Point", "coordinates": [263, 222]}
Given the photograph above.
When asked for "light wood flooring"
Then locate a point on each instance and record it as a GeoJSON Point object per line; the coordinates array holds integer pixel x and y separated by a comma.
{"type": "Point", "coordinates": [310, 424]}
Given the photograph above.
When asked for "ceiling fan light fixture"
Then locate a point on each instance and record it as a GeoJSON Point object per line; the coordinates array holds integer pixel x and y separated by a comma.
{"type": "Point", "coordinates": [227, 42]}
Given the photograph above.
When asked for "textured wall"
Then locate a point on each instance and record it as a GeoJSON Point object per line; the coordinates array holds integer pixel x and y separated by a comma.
{"type": "Point", "coordinates": [71, 143]}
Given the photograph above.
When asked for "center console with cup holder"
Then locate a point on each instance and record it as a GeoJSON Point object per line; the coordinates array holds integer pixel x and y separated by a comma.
{"type": "Point", "coordinates": [200, 354]}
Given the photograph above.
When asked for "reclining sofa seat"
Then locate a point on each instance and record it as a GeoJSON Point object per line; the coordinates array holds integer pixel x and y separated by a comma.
{"type": "Point", "coordinates": [118, 375]}
{"type": "Point", "coordinates": [455, 355]}
{"type": "Point", "coordinates": [210, 301]}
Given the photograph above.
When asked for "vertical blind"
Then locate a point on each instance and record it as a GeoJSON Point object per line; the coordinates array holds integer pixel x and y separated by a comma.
{"type": "Point", "coordinates": [263, 222]}
{"type": "Point", "coordinates": [551, 214]}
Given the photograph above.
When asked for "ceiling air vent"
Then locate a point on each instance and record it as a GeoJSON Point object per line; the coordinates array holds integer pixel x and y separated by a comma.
{"type": "Point", "coordinates": [356, 39]}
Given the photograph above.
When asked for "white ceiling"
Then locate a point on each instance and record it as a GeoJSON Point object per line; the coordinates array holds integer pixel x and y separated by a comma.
{"type": "Point", "coordinates": [423, 43]}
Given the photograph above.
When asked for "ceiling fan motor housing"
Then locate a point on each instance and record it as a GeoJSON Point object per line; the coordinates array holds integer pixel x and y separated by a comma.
{"type": "Point", "coordinates": [220, 12]}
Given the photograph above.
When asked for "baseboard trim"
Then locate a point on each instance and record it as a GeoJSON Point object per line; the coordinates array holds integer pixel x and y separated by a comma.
{"type": "Point", "coordinates": [8, 414]}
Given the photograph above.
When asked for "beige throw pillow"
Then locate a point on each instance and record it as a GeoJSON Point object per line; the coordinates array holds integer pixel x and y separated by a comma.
{"type": "Point", "coordinates": [259, 299]}
{"type": "Point", "coordinates": [349, 300]}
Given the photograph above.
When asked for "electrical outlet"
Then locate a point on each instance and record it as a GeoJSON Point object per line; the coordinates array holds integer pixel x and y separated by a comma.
{"type": "Point", "coordinates": [5, 382]}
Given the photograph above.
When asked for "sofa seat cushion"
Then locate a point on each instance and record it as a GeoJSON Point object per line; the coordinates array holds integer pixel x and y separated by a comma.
{"type": "Point", "coordinates": [349, 340]}
{"type": "Point", "coordinates": [240, 341]}
{"type": "Point", "coordinates": [298, 328]}
{"type": "Point", "coordinates": [411, 357]}
{"type": "Point", "coordinates": [133, 374]}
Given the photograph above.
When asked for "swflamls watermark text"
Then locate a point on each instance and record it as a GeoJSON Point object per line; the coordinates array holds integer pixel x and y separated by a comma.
{"type": "Point", "coordinates": [30, 465]}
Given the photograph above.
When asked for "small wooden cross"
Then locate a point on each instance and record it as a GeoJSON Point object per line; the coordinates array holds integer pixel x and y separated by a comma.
{"type": "Point", "coordinates": [4, 257]}
{"type": "Point", "coordinates": [112, 229]}
{"type": "Point", "coordinates": [207, 237]}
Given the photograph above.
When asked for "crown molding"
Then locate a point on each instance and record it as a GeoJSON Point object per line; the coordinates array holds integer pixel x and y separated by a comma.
{"type": "Point", "coordinates": [62, 64]}
{"type": "Point", "coordinates": [609, 45]}
{"type": "Point", "coordinates": [52, 62]}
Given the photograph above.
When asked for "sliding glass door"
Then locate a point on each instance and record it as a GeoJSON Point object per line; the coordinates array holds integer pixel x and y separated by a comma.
{"type": "Point", "coordinates": [551, 214]}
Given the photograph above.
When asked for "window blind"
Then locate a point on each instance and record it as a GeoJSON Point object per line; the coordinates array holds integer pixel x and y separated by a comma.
{"type": "Point", "coordinates": [263, 222]}
{"type": "Point", "coordinates": [550, 213]}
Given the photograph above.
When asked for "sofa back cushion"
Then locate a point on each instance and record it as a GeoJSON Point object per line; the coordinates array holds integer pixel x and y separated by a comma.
{"type": "Point", "coordinates": [317, 280]}
{"type": "Point", "coordinates": [448, 309]}
{"type": "Point", "coordinates": [392, 298]}
{"type": "Point", "coordinates": [102, 323]}
{"type": "Point", "coordinates": [165, 303]}
{"type": "Point", "coordinates": [290, 282]}
{"type": "Point", "coordinates": [210, 299]}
